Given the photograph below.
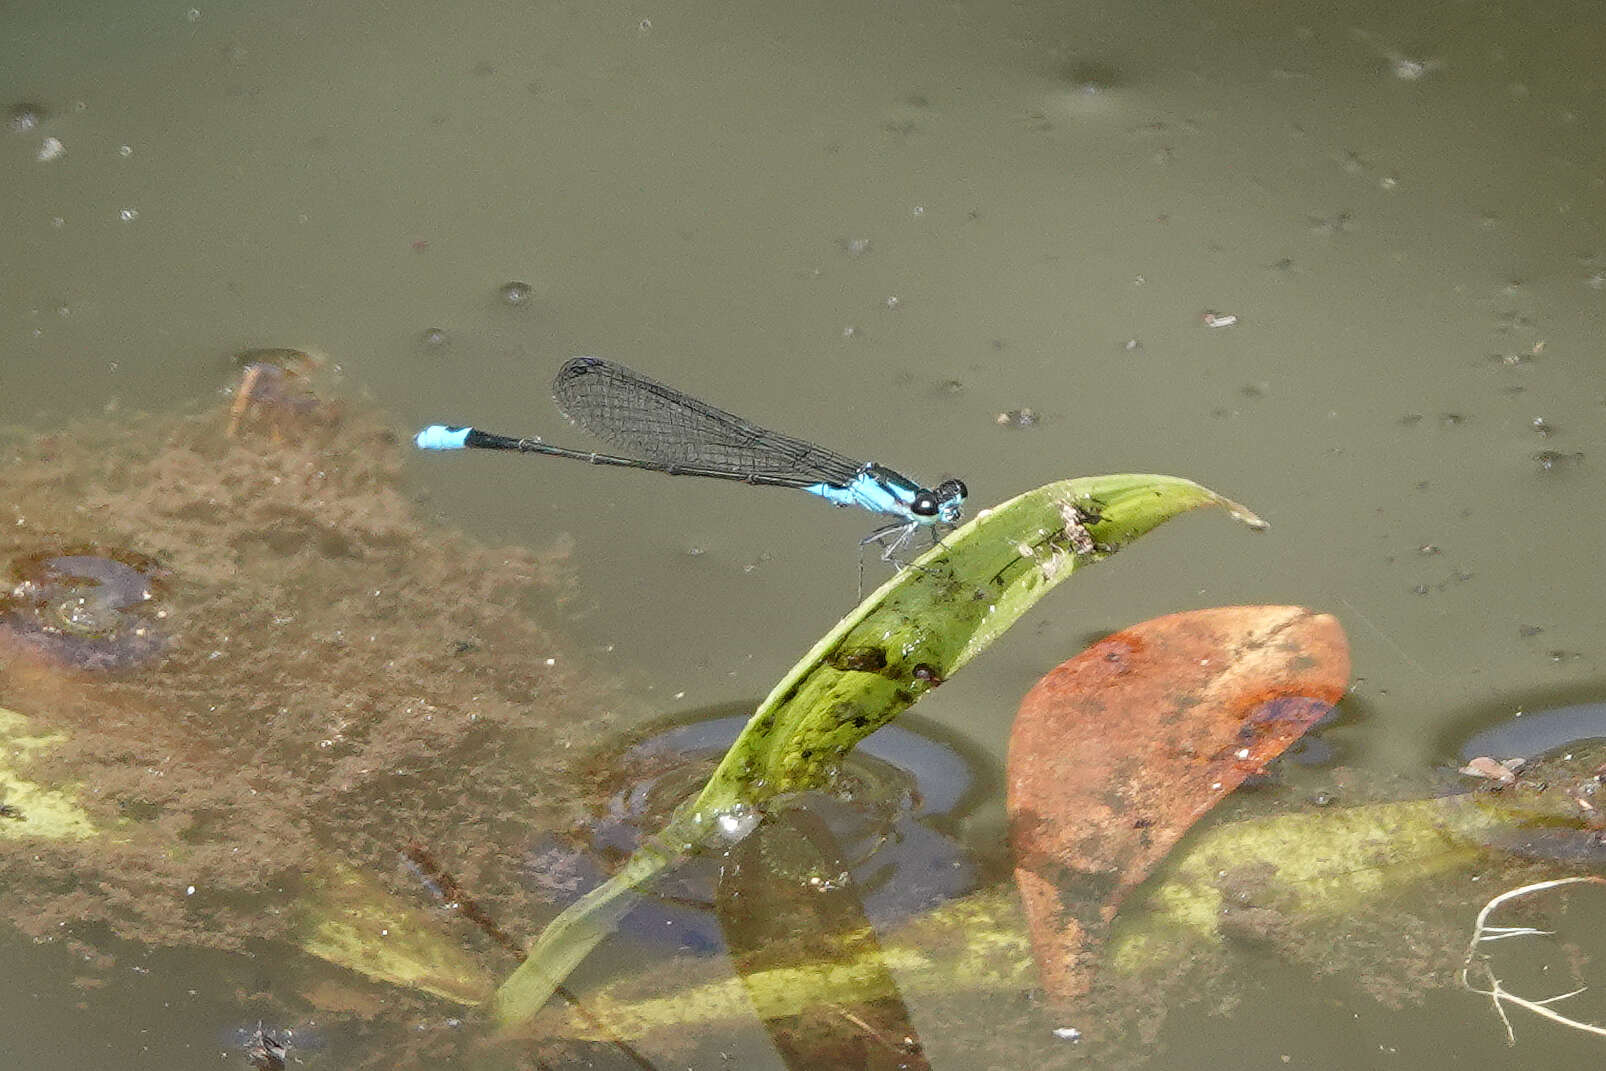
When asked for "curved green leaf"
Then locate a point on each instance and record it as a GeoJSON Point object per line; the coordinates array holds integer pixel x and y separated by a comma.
{"type": "Point", "coordinates": [909, 636]}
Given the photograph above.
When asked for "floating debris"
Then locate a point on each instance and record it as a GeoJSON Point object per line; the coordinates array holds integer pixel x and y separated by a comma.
{"type": "Point", "coordinates": [1408, 69]}
{"type": "Point", "coordinates": [265, 1051]}
{"type": "Point", "coordinates": [1555, 460]}
{"type": "Point", "coordinates": [1017, 418]}
{"type": "Point", "coordinates": [279, 383]}
{"type": "Point", "coordinates": [1337, 223]}
{"type": "Point", "coordinates": [25, 116]}
{"type": "Point", "coordinates": [1490, 769]}
{"type": "Point", "coordinates": [515, 293]}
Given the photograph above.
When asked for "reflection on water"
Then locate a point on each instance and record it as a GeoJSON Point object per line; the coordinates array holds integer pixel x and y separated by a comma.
{"type": "Point", "coordinates": [893, 810]}
{"type": "Point", "coordinates": [1527, 731]}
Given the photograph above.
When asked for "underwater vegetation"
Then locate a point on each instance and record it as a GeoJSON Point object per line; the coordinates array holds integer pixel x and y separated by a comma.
{"type": "Point", "coordinates": [233, 651]}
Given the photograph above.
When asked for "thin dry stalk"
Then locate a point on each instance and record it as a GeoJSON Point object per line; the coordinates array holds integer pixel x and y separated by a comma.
{"type": "Point", "coordinates": [1483, 933]}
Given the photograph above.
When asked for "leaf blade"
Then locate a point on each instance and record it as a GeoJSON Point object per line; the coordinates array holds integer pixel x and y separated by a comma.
{"type": "Point", "coordinates": [909, 636]}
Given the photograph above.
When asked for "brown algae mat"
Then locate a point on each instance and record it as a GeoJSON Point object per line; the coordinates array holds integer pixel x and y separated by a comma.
{"type": "Point", "coordinates": [255, 657]}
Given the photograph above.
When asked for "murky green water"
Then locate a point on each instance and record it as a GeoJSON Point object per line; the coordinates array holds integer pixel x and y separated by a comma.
{"type": "Point", "coordinates": [880, 226]}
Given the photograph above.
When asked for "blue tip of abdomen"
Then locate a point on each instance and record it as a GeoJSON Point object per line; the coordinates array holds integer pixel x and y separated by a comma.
{"type": "Point", "coordinates": [440, 437]}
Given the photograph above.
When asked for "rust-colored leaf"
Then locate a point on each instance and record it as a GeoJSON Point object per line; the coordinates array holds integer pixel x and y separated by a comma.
{"type": "Point", "coordinates": [1117, 752]}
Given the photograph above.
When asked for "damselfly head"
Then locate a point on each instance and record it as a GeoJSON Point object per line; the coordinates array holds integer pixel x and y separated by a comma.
{"type": "Point", "coordinates": [951, 496]}
{"type": "Point", "coordinates": [943, 505]}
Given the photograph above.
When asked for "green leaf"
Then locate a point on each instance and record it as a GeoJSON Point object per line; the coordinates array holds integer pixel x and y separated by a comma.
{"type": "Point", "coordinates": [908, 637]}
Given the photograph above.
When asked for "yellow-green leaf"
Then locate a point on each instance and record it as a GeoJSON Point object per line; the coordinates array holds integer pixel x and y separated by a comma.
{"type": "Point", "coordinates": [908, 637]}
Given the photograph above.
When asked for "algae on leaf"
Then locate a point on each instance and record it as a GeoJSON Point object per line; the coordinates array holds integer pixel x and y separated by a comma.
{"type": "Point", "coordinates": [347, 918]}
{"type": "Point", "coordinates": [342, 915]}
{"type": "Point", "coordinates": [35, 810]}
{"type": "Point", "coordinates": [909, 636]}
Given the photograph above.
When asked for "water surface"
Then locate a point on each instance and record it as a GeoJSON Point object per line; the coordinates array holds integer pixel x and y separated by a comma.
{"type": "Point", "coordinates": [880, 226]}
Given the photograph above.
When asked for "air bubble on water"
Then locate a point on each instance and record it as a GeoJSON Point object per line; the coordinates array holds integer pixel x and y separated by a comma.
{"type": "Point", "coordinates": [1407, 69]}
{"type": "Point", "coordinates": [516, 293]}
{"type": "Point", "coordinates": [737, 822]}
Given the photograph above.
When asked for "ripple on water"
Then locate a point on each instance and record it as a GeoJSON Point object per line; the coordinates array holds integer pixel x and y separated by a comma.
{"type": "Point", "coordinates": [892, 810]}
{"type": "Point", "coordinates": [88, 608]}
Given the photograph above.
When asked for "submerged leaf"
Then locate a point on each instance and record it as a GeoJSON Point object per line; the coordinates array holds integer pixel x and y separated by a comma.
{"type": "Point", "coordinates": [32, 810]}
{"type": "Point", "coordinates": [909, 636]}
{"type": "Point", "coordinates": [1285, 878]}
{"type": "Point", "coordinates": [1293, 870]}
{"type": "Point", "coordinates": [1308, 867]}
{"type": "Point", "coordinates": [342, 915]}
{"type": "Point", "coordinates": [974, 945]}
{"type": "Point", "coordinates": [347, 918]}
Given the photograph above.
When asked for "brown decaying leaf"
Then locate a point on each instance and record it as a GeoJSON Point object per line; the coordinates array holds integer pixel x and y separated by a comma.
{"type": "Point", "coordinates": [1117, 752]}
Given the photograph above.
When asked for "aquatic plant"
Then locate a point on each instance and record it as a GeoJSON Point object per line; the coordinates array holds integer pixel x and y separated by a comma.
{"type": "Point", "coordinates": [907, 638]}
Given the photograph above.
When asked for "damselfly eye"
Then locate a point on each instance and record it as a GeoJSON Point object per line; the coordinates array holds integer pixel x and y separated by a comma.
{"type": "Point", "coordinates": [924, 505]}
{"type": "Point", "coordinates": [953, 489]}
